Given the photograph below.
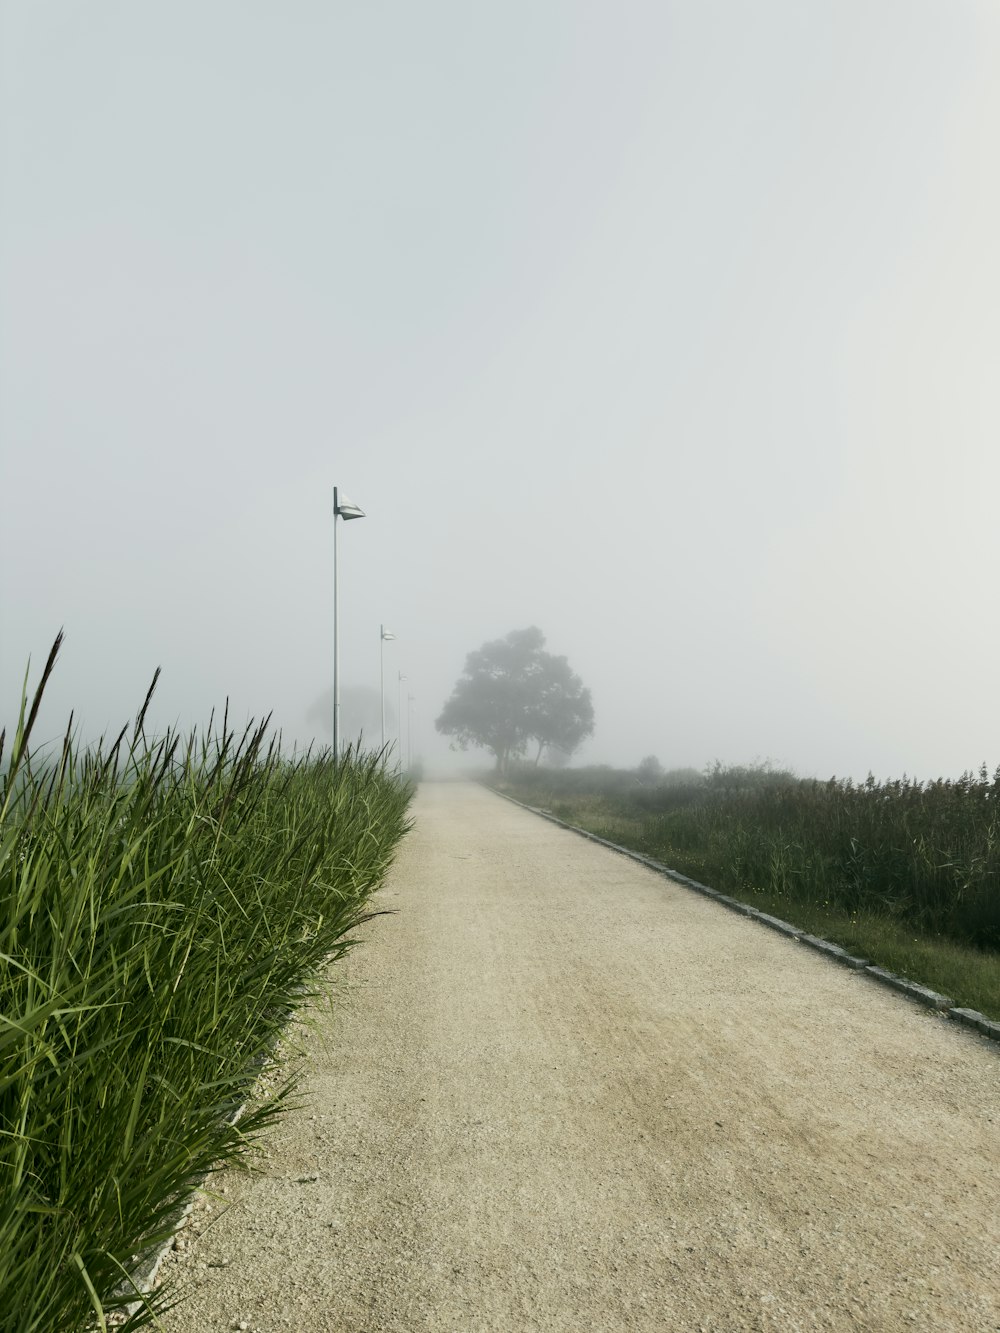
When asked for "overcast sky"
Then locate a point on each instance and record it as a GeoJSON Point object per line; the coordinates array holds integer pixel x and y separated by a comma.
{"type": "Point", "coordinates": [672, 328]}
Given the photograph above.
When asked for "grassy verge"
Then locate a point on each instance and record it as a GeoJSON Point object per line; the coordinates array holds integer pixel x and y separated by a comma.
{"type": "Point", "coordinates": [165, 906]}
{"type": "Point", "coordinates": [755, 845]}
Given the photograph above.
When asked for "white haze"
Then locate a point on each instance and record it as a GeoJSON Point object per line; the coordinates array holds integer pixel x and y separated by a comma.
{"type": "Point", "coordinates": [672, 328]}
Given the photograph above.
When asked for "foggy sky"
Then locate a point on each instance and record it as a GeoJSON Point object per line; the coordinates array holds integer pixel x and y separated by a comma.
{"type": "Point", "coordinates": [672, 328]}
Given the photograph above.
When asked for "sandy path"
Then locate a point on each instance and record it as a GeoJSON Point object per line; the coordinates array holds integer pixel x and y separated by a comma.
{"type": "Point", "coordinates": [559, 1092]}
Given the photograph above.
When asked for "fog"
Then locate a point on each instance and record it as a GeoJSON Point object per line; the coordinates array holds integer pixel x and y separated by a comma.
{"type": "Point", "coordinates": [671, 328]}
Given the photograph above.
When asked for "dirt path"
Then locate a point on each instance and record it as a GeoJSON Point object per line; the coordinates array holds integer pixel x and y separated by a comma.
{"type": "Point", "coordinates": [559, 1092]}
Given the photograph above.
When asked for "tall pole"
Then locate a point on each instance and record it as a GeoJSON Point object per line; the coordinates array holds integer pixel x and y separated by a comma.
{"type": "Point", "coordinates": [383, 634]}
{"type": "Point", "coordinates": [409, 731]}
{"type": "Point", "coordinates": [399, 716]}
{"type": "Point", "coordinates": [342, 508]}
{"type": "Point", "coordinates": [381, 675]}
{"type": "Point", "coordinates": [336, 635]}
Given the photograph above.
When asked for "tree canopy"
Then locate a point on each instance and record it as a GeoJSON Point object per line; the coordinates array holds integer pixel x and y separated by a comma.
{"type": "Point", "coordinates": [512, 693]}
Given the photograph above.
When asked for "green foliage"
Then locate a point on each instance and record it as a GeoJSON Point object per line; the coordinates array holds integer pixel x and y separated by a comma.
{"type": "Point", "coordinates": [513, 692]}
{"type": "Point", "coordinates": [165, 907]}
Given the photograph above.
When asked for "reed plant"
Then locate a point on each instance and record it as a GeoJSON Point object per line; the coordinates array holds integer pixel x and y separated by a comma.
{"type": "Point", "coordinates": [166, 905]}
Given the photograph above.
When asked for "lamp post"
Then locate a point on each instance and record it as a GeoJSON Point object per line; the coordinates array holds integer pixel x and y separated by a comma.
{"type": "Point", "coordinates": [410, 700]}
{"type": "Point", "coordinates": [342, 508]}
{"type": "Point", "coordinates": [399, 718]}
{"type": "Point", "coordinates": [383, 635]}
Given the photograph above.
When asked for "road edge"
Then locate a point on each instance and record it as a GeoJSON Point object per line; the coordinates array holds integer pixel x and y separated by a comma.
{"type": "Point", "coordinates": [913, 990]}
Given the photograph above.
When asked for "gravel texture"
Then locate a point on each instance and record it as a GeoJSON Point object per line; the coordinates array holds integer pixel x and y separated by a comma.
{"type": "Point", "coordinates": [557, 1091]}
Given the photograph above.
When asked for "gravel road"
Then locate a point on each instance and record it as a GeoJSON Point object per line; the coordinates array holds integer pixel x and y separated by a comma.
{"type": "Point", "coordinates": [558, 1092]}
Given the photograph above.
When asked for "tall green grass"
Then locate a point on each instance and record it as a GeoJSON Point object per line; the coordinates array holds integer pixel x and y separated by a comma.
{"type": "Point", "coordinates": [889, 866]}
{"type": "Point", "coordinates": [165, 906]}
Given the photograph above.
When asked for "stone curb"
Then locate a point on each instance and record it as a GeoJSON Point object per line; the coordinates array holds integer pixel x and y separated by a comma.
{"type": "Point", "coordinates": [974, 1019]}
{"type": "Point", "coordinates": [835, 951]}
{"type": "Point", "coordinates": [930, 999]}
{"type": "Point", "coordinates": [922, 994]}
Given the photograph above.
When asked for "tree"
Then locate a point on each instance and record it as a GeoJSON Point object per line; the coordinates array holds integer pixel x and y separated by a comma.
{"type": "Point", "coordinates": [512, 692]}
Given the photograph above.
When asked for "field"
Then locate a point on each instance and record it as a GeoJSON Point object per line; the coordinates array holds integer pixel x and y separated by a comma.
{"type": "Point", "coordinates": [166, 905]}
{"type": "Point", "coordinates": [906, 873]}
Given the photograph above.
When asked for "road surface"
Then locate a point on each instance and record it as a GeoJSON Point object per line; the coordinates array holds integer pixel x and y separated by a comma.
{"type": "Point", "coordinates": [557, 1091]}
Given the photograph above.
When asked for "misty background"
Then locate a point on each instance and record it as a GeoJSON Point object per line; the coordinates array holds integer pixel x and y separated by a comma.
{"type": "Point", "coordinates": [671, 328]}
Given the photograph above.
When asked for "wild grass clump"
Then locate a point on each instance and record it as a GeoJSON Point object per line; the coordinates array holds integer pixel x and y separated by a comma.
{"type": "Point", "coordinates": [165, 907]}
{"type": "Point", "coordinates": [916, 862]}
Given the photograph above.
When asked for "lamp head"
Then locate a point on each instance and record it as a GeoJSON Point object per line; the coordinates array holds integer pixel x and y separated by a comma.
{"type": "Point", "coordinates": [345, 508]}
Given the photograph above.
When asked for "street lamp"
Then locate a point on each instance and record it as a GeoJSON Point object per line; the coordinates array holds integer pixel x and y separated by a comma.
{"type": "Point", "coordinates": [383, 635]}
{"type": "Point", "coordinates": [342, 508]}
{"type": "Point", "coordinates": [399, 718]}
{"type": "Point", "coordinates": [410, 701]}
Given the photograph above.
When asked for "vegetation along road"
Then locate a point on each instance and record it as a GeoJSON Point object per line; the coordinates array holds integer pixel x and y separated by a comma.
{"type": "Point", "coordinates": [559, 1092]}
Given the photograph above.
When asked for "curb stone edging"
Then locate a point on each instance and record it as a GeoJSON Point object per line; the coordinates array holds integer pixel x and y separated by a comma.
{"type": "Point", "coordinates": [974, 1019]}
{"type": "Point", "coordinates": [913, 990]}
{"type": "Point", "coordinates": [923, 994]}
{"type": "Point", "coordinates": [835, 951]}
